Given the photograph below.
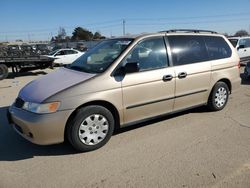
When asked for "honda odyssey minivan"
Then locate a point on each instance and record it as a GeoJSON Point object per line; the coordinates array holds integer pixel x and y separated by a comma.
{"type": "Point", "coordinates": [123, 81]}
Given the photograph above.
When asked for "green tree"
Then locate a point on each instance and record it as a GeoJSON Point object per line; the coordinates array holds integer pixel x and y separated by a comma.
{"type": "Point", "coordinates": [97, 35]}
{"type": "Point", "coordinates": [241, 33]}
{"type": "Point", "coordinates": [80, 33]}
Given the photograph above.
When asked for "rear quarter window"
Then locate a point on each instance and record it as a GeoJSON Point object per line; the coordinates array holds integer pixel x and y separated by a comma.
{"type": "Point", "coordinates": [234, 42]}
{"type": "Point", "coordinates": [217, 47]}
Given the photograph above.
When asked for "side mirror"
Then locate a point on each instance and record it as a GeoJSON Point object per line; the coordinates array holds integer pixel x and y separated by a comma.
{"type": "Point", "coordinates": [131, 67]}
{"type": "Point", "coordinates": [240, 47]}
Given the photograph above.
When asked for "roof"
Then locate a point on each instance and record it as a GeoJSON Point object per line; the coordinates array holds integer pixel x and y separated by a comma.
{"type": "Point", "coordinates": [243, 37]}
{"type": "Point", "coordinates": [173, 31]}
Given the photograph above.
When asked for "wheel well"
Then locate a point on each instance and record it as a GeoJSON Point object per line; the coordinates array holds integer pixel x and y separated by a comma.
{"type": "Point", "coordinates": [226, 81]}
{"type": "Point", "coordinates": [105, 104]}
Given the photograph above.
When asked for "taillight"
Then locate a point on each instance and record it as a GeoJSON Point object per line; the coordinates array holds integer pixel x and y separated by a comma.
{"type": "Point", "coordinates": [239, 65]}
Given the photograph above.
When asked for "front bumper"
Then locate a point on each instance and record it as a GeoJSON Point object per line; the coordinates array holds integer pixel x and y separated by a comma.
{"type": "Point", "coordinates": [42, 129]}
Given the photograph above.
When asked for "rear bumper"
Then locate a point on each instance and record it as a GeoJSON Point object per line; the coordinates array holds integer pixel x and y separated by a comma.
{"type": "Point", "coordinates": [244, 60]}
{"type": "Point", "coordinates": [42, 129]}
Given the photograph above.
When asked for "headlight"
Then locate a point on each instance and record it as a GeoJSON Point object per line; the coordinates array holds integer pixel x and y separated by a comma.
{"type": "Point", "coordinates": [41, 108]}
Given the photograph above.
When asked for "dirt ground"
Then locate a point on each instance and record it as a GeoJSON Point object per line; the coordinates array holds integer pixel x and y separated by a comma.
{"type": "Point", "coordinates": [195, 148]}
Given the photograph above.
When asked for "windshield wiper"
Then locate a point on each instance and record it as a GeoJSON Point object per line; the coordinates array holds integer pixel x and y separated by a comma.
{"type": "Point", "coordinates": [82, 69]}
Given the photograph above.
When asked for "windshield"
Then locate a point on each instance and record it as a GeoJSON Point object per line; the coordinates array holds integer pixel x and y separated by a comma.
{"type": "Point", "coordinates": [99, 58]}
{"type": "Point", "coordinates": [234, 42]}
{"type": "Point", "coordinates": [53, 52]}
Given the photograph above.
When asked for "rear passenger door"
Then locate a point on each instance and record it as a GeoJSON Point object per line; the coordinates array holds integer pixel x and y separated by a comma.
{"type": "Point", "coordinates": [192, 68]}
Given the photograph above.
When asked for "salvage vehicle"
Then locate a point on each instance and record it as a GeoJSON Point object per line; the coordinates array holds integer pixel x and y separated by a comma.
{"type": "Point", "coordinates": [116, 84]}
{"type": "Point", "coordinates": [22, 58]}
{"type": "Point", "coordinates": [242, 44]}
{"type": "Point", "coordinates": [64, 56]}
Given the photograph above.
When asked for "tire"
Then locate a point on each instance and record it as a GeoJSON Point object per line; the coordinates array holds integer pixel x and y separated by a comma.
{"type": "Point", "coordinates": [3, 71]}
{"type": "Point", "coordinates": [218, 97]}
{"type": "Point", "coordinates": [91, 128]}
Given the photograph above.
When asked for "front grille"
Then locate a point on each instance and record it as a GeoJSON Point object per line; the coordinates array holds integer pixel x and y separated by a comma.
{"type": "Point", "coordinates": [19, 103]}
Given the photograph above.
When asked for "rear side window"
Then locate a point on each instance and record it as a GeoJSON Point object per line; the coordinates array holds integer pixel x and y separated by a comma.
{"type": "Point", "coordinates": [217, 48]}
{"type": "Point", "coordinates": [69, 52]}
{"type": "Point", "coordinates": [187, 49]}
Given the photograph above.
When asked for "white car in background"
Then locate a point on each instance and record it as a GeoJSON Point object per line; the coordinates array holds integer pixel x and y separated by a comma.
{"type": "Point", "coordinates": [65, 56]}
{"type": "Point", "coordinates": [242, 44]}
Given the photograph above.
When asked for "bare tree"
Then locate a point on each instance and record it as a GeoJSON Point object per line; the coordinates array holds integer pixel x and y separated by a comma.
{"type": "Point", "coordinates": [61, 33]}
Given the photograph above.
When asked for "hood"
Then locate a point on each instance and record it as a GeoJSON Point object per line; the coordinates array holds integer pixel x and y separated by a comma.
{"type": "Point", "coordinates": [46, 86]}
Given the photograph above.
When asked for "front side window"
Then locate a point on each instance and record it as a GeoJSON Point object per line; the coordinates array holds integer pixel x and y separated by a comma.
{"type": "Point", "coordinates": [99, 58]}
{"type": "Point", "coordinates": [187, 49]}
{"type": "Point", "coordinates": [242, 42]}
{"type": "Point", "coordinates": [62, 52]}
{"type": "Point", "coordinates": [149, 54]}
{"type": "Point", "coordinates": [247, 43]}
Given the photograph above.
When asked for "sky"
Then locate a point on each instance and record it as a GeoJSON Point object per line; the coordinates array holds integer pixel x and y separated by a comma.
{"type": "Point", "coordinates": [41, 19]}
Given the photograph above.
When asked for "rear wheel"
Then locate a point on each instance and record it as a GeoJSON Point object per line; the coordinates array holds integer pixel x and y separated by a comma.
{"type": "Point", "coordinates": [91, 128]}
{"type": "Point", "coordinates": [3, 71]}
{"type": "Point", "coordinates": [218, 97]}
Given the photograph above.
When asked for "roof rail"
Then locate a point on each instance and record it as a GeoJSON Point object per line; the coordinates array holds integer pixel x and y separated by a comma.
{"type": "Point", "coordinates": [189, 31]}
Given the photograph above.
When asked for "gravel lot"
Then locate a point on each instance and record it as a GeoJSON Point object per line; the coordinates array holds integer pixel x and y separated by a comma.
{"type": "Point", "coordinates": [195, 148]}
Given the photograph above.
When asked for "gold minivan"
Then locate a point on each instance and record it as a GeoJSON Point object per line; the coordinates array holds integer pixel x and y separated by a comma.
{"type": "Point", "coordinates": [123, 81]}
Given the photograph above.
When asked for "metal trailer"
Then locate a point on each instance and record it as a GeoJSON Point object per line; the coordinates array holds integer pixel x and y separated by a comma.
{"type": "Point", "coordinates": [23, 64]}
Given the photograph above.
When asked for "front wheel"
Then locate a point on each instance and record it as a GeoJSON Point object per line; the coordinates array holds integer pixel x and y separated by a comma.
{"type": "Point", "coordinates": [3, 71]}
{"type": "Point", "coordinates": [91, 128]}
{"type": "Point", "coordinates": [218, 97]}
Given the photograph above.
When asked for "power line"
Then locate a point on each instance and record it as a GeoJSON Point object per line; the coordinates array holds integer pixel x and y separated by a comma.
{"type": "Point", "coordinates": [133, 22]}
{"type": "Point", "coordinates": [117, 21]}
{"type": "Point", "coordinates": [178, 23]}
{"type": "Point", "coordinates": [191, 17]}
{"type": "Point", "coordinates": [91, 25]}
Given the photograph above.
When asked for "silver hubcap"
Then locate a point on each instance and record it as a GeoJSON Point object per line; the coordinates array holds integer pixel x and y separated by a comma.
{"type": "Point", "coordinates": [93, 129]}
{"type": "Point", "coordinates": [220, 97]}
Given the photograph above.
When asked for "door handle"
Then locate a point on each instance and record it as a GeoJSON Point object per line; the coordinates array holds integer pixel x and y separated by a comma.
{"type": "Point", "coordinates": [167, 77]}
{"type": "Point", "coordinates": [245, 50]}
{"type": "Point", "coordinates": [182, 75]}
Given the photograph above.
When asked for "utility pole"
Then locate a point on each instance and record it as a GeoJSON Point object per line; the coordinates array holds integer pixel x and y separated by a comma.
{"type": "Point", "coordinates": [123, 24]}
{"type": "Point", "coordinates": [28, 37]}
